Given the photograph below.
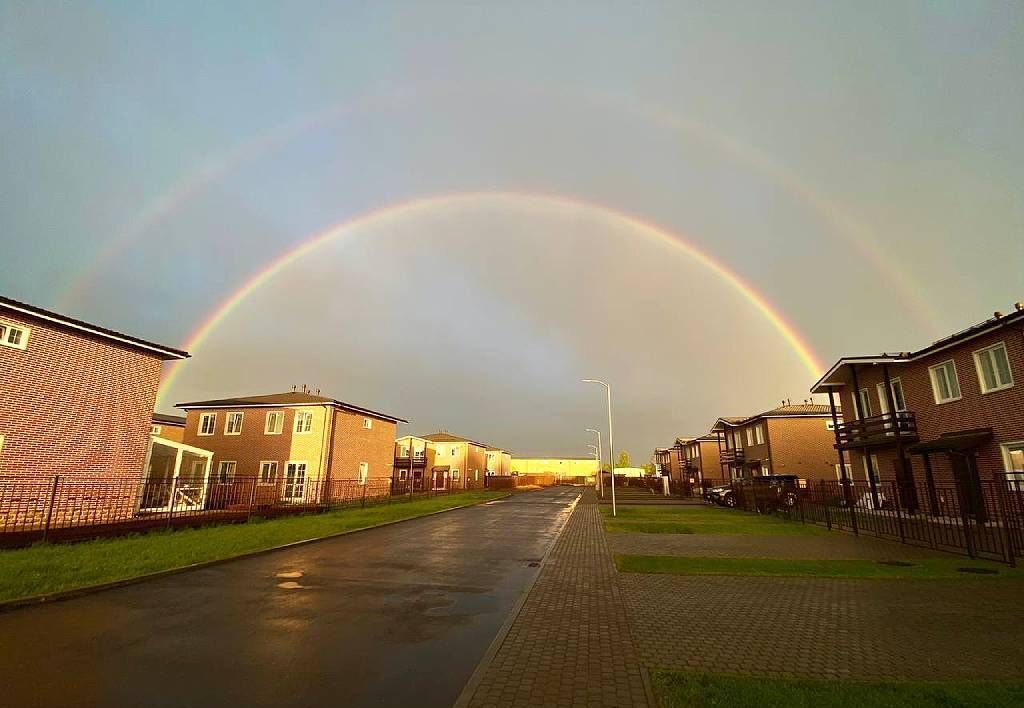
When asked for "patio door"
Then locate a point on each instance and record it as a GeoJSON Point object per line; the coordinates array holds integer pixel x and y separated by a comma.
{"type": "Point", "coordinates": [294, 482]}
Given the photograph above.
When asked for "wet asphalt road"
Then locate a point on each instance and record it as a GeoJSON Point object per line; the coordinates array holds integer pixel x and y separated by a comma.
{"type": "Point", "coordinates": [396, 616]}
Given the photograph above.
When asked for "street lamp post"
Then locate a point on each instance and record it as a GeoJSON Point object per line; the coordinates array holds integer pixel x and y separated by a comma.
{"type": "Point", "coordinates": [611, 444]}
{"type": "Point", "coordinates": [600, 477]}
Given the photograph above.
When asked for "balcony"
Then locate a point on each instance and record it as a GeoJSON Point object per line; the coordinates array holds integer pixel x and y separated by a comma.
{"type": "Point", "coordinates": [887, 429]}
{"type": "Point", "coordinates": [732, 456]}
{"type": "Point", "coordinates": [407, 462]}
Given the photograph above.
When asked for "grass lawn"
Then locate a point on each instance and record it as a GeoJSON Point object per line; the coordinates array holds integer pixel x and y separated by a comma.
{"type": "Point", "coordinates": [703, 520]}
{"type": "Point", "coordinates": [691, 690]}
{"type": "Point", "coordinates": [922, 569]}
{"type": "Point", "coordinates": [46, 568]}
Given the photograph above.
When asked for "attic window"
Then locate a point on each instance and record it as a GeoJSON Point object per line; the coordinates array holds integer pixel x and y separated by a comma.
{"type": "Point", "coordinates": [367, 423]}
{"type": "Point", "coordinates": [13, 336]}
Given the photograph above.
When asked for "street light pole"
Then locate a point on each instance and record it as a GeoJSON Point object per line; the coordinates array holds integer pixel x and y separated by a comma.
{"type": "Point", "coordinates": [600, 477]}
{"type": "Point", "coordinates": [611, 444]}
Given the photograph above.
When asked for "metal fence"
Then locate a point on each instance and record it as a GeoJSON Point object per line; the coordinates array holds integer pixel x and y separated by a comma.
{"type": "Point", "coordinates": [71, 507]}
{"type": "Point", "coordinates": [984, 519]}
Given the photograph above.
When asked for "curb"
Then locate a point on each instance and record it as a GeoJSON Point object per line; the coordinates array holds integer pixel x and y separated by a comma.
{"type": "Point", "coordinates": [469, 690]}
{"type": "Point", "coordinates": [11, 605]}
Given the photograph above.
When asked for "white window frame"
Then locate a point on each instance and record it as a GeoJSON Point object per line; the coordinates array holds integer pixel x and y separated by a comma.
{"type": "Point", "coordinates": [231, 477]}
{"type": "Point", "coordinates": [935, 386]}
{"type": "Point", "coordinates": [849, 471]}
{"type": "Point", "coordinates": [155, 429]}
{"type": "Point", "coordinates": [367, 423]}
{"type": "Point", "coordinates": [299, 485]}
{"type": "Point", "coordinates": [274, 415]}
{"type": "Point", "coordinates": [263, 465]}
{"type": "Point", "coordinates": [7, 328]}
{"type": "Point", "coordinates": [1015, 478]}
{"type": "Point", "coordinates": [300, 416]}
{"type": "Point", "coordinates": [233, 415]}
{"type": "Point", "coordinates": [874, 466]}
{"type": "Point", "coordinates": [364, 472]}
{"type": "Point", "coordinates": [995, 371]}
{"type": "Point", "coordinates": [759, 433]}
{"type": "Point", "coordinates": [750, 436]}
{"type": "Point", "coordinates": [454, 474]}
{"type": "Point", "coordinates": [861, 402]}
{"type": "Point", "coordinates": [203, 417]}
{"type": "Point", "coordinates": [829, 425]}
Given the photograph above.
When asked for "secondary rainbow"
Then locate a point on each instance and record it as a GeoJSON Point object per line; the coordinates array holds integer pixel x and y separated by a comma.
{"type": "Point", "coordinates": [413, 207]}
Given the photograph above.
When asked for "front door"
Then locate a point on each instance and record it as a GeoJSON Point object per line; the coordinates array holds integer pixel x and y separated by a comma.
{"type": "Point", "coordinates": [965, 471]}
{"type": "Point", "coordinates": [294, 482]}
{"type": "Point", "coordinates": [905, 484]}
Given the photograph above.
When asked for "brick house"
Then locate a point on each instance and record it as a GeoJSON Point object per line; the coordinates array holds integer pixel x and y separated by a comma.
{"type": "Point", "coordinates": [668, 461]}
{"type": "Point", "coordinates": [947, 414]}
{"type": "Point", "coordinates": [790, 439]}
{"type": "Point", "coordinates": [700, 458]}
{"type": "Point", "coordinates": [299, 447]}
{"type": "Point", "coordinates": [169, 427]}
{"type": "Point", "coordinates": [413, 457]}
{"type": "Point", "coordinates": [499, 462]}
{"type": "Point", "coordinates": [459, 463]}
{"type": "Point", "coordinates": [77, 398]}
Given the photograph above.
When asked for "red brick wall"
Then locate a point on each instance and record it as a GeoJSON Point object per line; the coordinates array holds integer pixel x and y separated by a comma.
{"type": "Point", "coordinates": [74, 404]}
{"type": "Point", "coordinates": [353, 444]}
{"type": "Point", "coordinates": [802, 446]}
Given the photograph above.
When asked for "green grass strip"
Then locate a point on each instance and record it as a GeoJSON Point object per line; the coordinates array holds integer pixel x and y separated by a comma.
{"type": "Point", "coordinates": [695, 690]}
{"type": "Point", "coordinates": [739, 527]}
{"type": "Point", "coordinates": [922, 569]}
{"type": "Point", "coordinates": [48, 568]}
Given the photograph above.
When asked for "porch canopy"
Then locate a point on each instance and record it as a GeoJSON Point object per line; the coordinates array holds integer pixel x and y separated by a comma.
{"type": "Point", "coordinates": [959, 441]}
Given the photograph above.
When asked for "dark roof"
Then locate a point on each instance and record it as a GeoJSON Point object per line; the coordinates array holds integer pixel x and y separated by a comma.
{"type": "Point", "coordinates": [796, 409]}
{"type": "Point", "coordinates": [164, 351]}
{"type": "Point", "coordinates": [291, 398]}
{"type": "Point", "coordinates": [950, 442]}
{"type": "Point", "coordinates": [992, 323]}
{"type": "Point", "coordinates": [706, 437]}
{"type": "Point", "coordinates": [444, 436]}
{"type": "Point", "coordinates": [165, 419]}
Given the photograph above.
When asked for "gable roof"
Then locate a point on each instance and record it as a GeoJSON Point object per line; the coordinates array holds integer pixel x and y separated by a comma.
{"type": "Point", "coordinates": [291, 398]}
{"type": "Point", "coordinates": [964, 335]}
{"type": "Point", "coordinates": [789, 410]}
{"type": "Point", "coordinates": [164, 352]}
{"type": "Point", "coordinates": [444, 436]}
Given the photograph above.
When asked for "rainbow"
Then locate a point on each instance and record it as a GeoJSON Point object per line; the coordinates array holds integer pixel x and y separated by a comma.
{"type": "Point", "coordinates": [413, 207]}
{"type": "Point", "coordinates": [840, 221]}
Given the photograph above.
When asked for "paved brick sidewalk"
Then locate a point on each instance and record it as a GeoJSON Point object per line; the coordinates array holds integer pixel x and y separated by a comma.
{"type": "Point", "coordinates": [571, 643]}
{"type": "Point", "coordinates": [827, 546]}
{"type": "Point", "coordinates": [829, 628]}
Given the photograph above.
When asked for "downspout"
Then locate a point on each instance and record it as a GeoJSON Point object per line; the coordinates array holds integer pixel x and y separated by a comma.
{"type": "Point", "coordinates": [326, 457]}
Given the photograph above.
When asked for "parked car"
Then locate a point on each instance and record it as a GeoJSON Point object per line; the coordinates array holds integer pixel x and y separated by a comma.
{"type": "Point", "coordinates": [777, 492]}
{"type": "Point", "coordinates": [722, 495]}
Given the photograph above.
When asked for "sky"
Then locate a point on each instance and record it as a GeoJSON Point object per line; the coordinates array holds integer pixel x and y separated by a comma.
{"type": "Point", "coordinates": [700, 204]}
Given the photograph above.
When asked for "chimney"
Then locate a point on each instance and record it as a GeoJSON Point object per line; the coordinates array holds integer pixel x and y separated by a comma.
{"type": "Point", "coordinates": [997, 314]}
{"type": "Point", "coordinates": [1018, 306]}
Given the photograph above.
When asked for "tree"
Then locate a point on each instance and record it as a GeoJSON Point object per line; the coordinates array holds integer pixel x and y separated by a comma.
{"type": "Point", "coordinates": [623, 459]}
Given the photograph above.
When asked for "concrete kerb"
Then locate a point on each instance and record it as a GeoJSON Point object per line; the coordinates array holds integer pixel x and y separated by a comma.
{"type": "Point", "coordinates": [10, 605]}
{"type": "Point", "coordinates": [469, 690]}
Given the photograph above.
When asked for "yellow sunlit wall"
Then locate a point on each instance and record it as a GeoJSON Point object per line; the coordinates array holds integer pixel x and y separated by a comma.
{"type": "Point", "coordinates": [560, 466]}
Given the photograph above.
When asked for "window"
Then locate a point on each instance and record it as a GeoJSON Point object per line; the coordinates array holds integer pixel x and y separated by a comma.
{"type": "Point", "coordinates": [155, 430]}
{"type": "Point", "coordinates": [455, 474]}
{"type": "Point", "coordinates": [897, 396]}
{"type": "Point", "coordinates": [863, 404]}
{"type": "Point", "coordinates": [303, 421]}
{"type": "Point", "coordinates": [750, 436]}
{"type": "Point", "coordinates": [993, 368]}
{"type": "Point", "coordinates": [945, 385]}
{"type": "Point", "coordinates": [1013, 458]}
{"type": "Point", "coordinates": [275, 423]}
{"type": "Point", "coordinates": [364, 472]}
{"type": "Point", "coordinates": [226, 471]}
{"type": "Point", "coordinates": [367, 423]}
{"type": "Point", "coordinates": [829, 425]}
{"type": "Point", "coordinates": [737, 440]}
{"type": "Point", "coordinates": [268, 472]}
{"type": "Point", "coordinates": [849, 472]}
{"type": "Point", "coordinates": [234, 424]}
{"type": "Point", "coordinates": [760, 433]}
{"type": "Point", "coordinates": [871, 472]}
{"type": "Point", "coordinates": [454, 452]}
{"type": "Point", "coordinates": [207, 423]}
{"type": "Point", "coordinates": [476, 475]}
{"type": "Point", "coordinates": [13, 336]}
{"type": "Point", "coordinates": [696, 451]}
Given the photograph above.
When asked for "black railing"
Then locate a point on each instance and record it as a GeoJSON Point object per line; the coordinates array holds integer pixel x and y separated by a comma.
{"type": "Point", "coordinates": [984, 520]}
{"type": "Point", "coordinates": [75, 507]}
{"type": "Point", "coordinates": [877, 430]}
{"type": "Point", "coordinates": [733, 456]}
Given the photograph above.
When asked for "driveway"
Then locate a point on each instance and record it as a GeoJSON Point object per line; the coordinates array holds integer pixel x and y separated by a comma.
{"type": "Point", "coordinates": [394, 616]}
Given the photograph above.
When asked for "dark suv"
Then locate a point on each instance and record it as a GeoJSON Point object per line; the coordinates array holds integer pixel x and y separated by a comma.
{"type": "Point", "coordinates": [776, 492]}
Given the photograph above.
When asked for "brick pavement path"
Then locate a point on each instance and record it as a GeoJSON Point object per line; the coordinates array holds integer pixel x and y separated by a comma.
{"type": "Point", "coordinates": [826, 546]}
{"type": "Point", "coordinates": [570, 645]}
{"type": "Point", "coordinates": [829, 628]}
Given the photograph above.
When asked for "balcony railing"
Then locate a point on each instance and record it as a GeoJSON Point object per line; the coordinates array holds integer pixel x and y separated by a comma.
{"type": "Point", "coordinates": [732, 456]}
{"type": "Point", "coordinates": [878, 430]}
{"type": "Point", "coordinates": [419, 460]}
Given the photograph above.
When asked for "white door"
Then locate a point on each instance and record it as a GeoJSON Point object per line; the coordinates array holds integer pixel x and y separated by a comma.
{"type": "Point", "coordinates": [294, 482]}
